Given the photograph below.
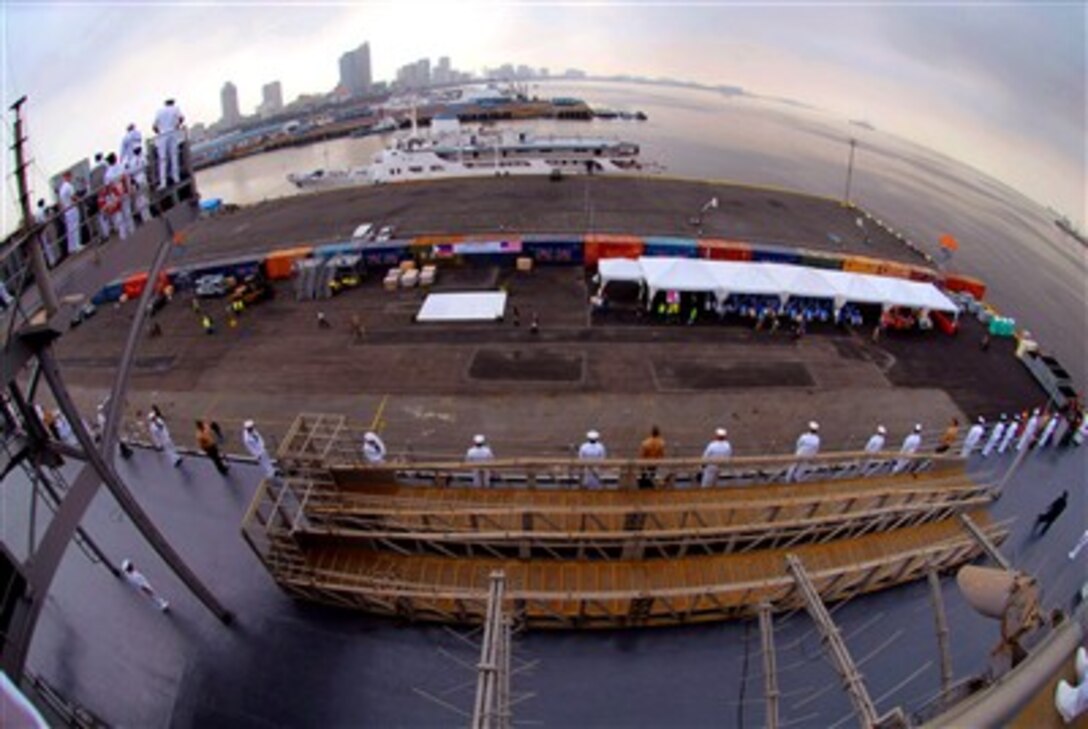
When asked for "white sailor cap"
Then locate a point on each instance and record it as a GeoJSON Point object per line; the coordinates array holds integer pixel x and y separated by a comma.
{"type": "Point", "coordinates": [882, 430]}
{"type": "Point", "coordinates": [917, 427]}
{"type": "Point", "coordinates": [981, 420]}
{"type": "Point", "coordinates": [593, 435]}
{"type": "Point", "coordinates": [248, 425]}
{"type": "Point", "coordinates": [370, 435]}
{"type": "Point", "coordinates": [479, 440]}
{"type": "Point", "coordinates": [126, 565]}
{"type": "Point", "coordinates": [813, 425]}
{"type": "Point", "coordinates": [720, 432]}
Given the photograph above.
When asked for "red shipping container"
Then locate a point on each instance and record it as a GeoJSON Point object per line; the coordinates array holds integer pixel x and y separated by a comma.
{"type": "Point", "coordinates": [598, 246]}
{"type": "Point", "coordinates": [717, 249]}
{"type": "Point", "coordinates": [959, 282]}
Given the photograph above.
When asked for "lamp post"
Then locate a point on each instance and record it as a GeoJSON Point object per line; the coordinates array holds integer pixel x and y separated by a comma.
{"type": "Point", "coordinates": [849, 171]}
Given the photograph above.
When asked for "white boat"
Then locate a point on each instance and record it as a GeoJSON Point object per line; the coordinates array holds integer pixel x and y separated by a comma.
{"type": "Point", "coordinates": [447, 153]}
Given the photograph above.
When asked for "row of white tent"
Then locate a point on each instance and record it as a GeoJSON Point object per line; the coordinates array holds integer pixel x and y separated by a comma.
{"type": "Point", "coordinates": [723, 278]}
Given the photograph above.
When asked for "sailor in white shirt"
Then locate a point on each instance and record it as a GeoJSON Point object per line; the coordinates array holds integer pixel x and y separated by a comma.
{"type": "Point", "coordinates": [1010, 433]}
{"type": "Point", "coordinates": [254, 443]}
{"type": "Point", "coordinates": [131, 141]}
{"type": "Point", "coordinates": [1048, 431]}
{"type": "Point", "coordinates": [911, 444]}
{"type": "Point", "coordinates": [118, 195]}
{"type": "Point", "coordinates": [1029, 430]}
{"type": "Point", "coordinates": [592, 450]}
{"type": "Point", "coordinates": [160, 436]}
{"type": "Point", "coordinates": [168, 128]}
{"type": "Point", "coordinates": [45, 237]}
{"type": "Point", "coordinates": [66, 195]}
{"type": "Point", "coordinates": [373, 448]}
{"type": "Point", "coordinates": [973, 438]}
{"type": "Point", "coordinates": [480, 452]}
{"type": "Point", "coordinates": [808, 445]}
{"type": "Point", "coordinates": [136, 167]}
{"type": "Point", "coordinates": [876, 440]}
{"type": "Point", "coordinates": [995, 437]}
{"type": "Point", "coordinates": [717, 450]}
{"type": "Point", "coordinates": [138, 582]}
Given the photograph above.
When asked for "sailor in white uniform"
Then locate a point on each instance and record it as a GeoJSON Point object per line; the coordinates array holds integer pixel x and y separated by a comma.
{"type": "Point", "coordinates": [480, 452]}
{"type": "Point", "coordinates": [1029, 430]}
{"type": "Point", "coordinates": [254, 443]}
{"type": "Point", "coordinates": [875, 445]}
{"type": "Point", "coordinates": [136, 167]}
{"type": "Point", "coordinates": [373, 448]}
{"type": "Point", "coordinates": [160, 437]}
{"type": "Point", "coordinates": [995, 437]}
{"type": "Point", "coordinates": [911, 444]}
{"type": "Point", "coordinates": [717, 450]}
{"type": "Point", "coordinates": [1048, 431]}
{"type": "Point", "coordinates": [808, 445]}
{"type": "Point", "coordinates": [66, 195]}
{"type": "Point", "coordinates": [168, 128]}
{"type": "Point", "coordinates": [592, 450]}
{"type": "Point", "coordinates": [1010, 433]}
{"type": "Point", "coordinates": [130, 142]}
{"type": "Point", "coordinates": [138, 582]}
{"type": "Point", "coordinates": [121, 213]}
{"type": "Point", "coordinates": [973, 438]}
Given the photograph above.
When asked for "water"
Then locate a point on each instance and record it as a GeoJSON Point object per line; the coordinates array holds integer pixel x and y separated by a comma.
{"type": "Point", "coordinates": [1035, 273]}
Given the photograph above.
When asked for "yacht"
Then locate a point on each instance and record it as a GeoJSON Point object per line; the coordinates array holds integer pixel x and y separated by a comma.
{"type": "Point", "coordinates": [448, 152]}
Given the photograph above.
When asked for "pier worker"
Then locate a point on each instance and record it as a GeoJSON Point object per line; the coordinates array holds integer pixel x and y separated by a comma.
{"type": "Point", "coordinates": [206, 441]}
{"type": "Point", "coordinates": [1010, 433]}
{"type": "Point", "coordinates": [808, 445]}
{"type": "Point", "coordinates": [592, 450]}
{"type": "Point", "coordinates": [652, 448]}
{"type": "Point", "coordinates": [1029, 431]}
{"type": "Point", "coordinates": [995, 436]}
{"type": "Point", "coordinates": [373, 449]}
{"type": "Point", "coordinates": [167, 126]}
{"type": "Point", "coordinates": [480, 452]}
{"type": "Point", "coordinates": [66, 194]}
{"type": "Point", "coordinates": [911, 444]}
{"type": "Point", "coordinates": [254, 443]}
{"type": "Point", "coordinates": [160, 436]}
{"type": "Point", "coordinates": [974, 437]}
{"type": "Point", "coordinates": [717, 451]}
{"type": "Point", "coordinates": [115, 199]}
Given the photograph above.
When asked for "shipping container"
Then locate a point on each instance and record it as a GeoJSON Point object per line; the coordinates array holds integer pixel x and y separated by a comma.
{"type": "Point", "coordinates": [279, 264]}
{"type": "Point", "coordinates": [826, 261]}
{"type": "Point", "coordinates": [554, 249]}
{"type": "Point", "coordinates": [598, 246]}
{"type": "Point", "coordinates": [134, 285]}
{"type": "Point", "coordinates": [346, 248]}
{"type": "Point", "coordinates": [717, 249]}
{"type": "Point", "coordinates": [959, 282]}
{"type": "Point", "coordinates": [671, 247]}
{"type": "Point", "coordinates": [861, 264]}
{"type": "Point", "coordinates": [767, 253]}
{"type": "Point", "coordinates": [385, 256]}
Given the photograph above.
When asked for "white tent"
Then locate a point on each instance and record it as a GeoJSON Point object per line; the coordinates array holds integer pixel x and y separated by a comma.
{"type": "Point", "coordinates": [619, 269]}
{"type": "Point", "coordinates": [736, 277]}
{"type": "Point", "coordinates": [677, 274]}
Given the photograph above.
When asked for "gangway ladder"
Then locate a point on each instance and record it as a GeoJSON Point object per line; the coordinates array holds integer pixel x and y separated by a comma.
{"type": "Point", "coordinates": [492, 707]}
{"type": "Point", "coordinates": [840, 655]}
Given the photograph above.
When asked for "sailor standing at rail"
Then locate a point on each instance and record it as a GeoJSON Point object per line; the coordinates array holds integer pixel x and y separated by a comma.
{"type": "Point", "coordinates": [973, 438]}
{"type": "Point", "coordinates": [592, 450]}
{"type": "Point", "coordinates": [116, 200]}
{"type": "Point", "coordinates": [373, 448]}
{"type": "Point", "coordinates": [1029, 430]}
{"type": "Point", "coordinates": [66, 194]}
{"type": "Point", "coordinates": [1010, 433]}
{"type": "Point", "coordinates": [130, 142]}
{"type": "Point", "coordinates": [480, 452]}
{"type": "Point", "coordinates": [254, 443]}
{"type": "Point", "coordinates": [168, 128]}
{"type": "Point", "coordinates": [136, 166]}
{"type": "Point", "coordinates": [160, 436]}
{"type": "Point", "coordinates": [873, 446]}
{"type": "Point", "coordinates": [717, 451]}
{"type": "Point", "coordinates": [995, 437]}
{"type": "Point", "coordinates": [45, 237]}
{"type": "Point", "coordinates": [97, 182]}
{"type": "Point", "coordinates": [1048, 431]}
{"type": "Point", "coordinates": [808, 445]}
{"type": "Point", "coordinates": [911, 444]}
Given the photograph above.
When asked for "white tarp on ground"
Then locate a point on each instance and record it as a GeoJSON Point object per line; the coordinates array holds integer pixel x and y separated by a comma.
{"type": "Point", "coordinates": [474, 306]}
{"type": "Point", "coordinates": [723, 278]}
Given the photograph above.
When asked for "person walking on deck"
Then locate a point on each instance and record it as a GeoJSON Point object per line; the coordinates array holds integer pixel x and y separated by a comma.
{"type": "Point", "coordinates": [973, 438]}
{"type": "Point", "coordinates": [911, 444]}
{"type": "Point", "coordinates": [717, 451]}
{"type": "Point", "coordinates": [254, 443]}
{"type": "Point", "coordinates": [808, 445]}
{"type": "Point", "coordinates": [1029, 431]}
{"type": "Point", "coordinates": [1010, 434]}
{"type": "Point", "coordinates": [995, 436]}
{"type": "Point", "coordinates": [373, 449]}
{"type": "Point", "coordinates": [160, 436]}
{"type": "Point", "coordinates": [205, 439]}
{"type": "Point", "coordinates": [592, 450]}
{"type": "Point", "coordinates": [141, 584]}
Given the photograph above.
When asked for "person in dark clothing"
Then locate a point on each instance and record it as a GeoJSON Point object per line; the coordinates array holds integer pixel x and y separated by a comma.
{"type": "Point", "coordinates": [205, 438]}
{"type": "Point", "coordinates": [1048, 517]}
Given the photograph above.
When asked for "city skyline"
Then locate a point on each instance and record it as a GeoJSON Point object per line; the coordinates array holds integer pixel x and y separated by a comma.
{"type": "Point", "coordinates": [970, 83]}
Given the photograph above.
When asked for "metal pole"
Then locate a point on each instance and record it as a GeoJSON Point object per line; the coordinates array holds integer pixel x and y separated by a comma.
{"type": "Point", "coordinates": [849, 172]}
{"type": "Point", "coordinates": [942, 630]}
{"type": "Point", "coordinates": [770, 669]}
{"type": "Point", "coordinates": [37, 257]}
{"type": "Point", "coordinates": [985, 542]}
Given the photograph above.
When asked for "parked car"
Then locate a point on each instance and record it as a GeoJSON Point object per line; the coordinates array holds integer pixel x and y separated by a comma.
{"type": "Point", "coordinates": [212, 286]}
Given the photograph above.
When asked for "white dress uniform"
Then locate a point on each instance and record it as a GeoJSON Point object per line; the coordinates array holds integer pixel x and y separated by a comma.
{"type": "Point", "coordinates": [911, 444]}
{"type": "Point", "coordinates": [254, 443]}
{"type": "Point", "coordinates": [130, 142]}
{"type": "Point", "coordinates": [168, 127]}
{"type": "Point", "coordinates": [1010, 433]}
{"type": "Point", "coordinates": [138, 582]}
{"type": "Point", "coordinates": [717, 450]}
{"type": "Point", "coordinates": [67, 196]}
{"type": "Point", "coordinates": [64, 430]}
{"type": "Point", "coordinates": [592, 450]}
{"type": "Point", "coordinates": [45, 238]}
{"type": "Point", "coordinates": [1029, 431]}
{"type": "Point", "coordinates": [1048, 431]}
{"type": "Point", "coordinates": [808, 445]}
{"type": "Point", "coordinates": [160, 436]}
{"type": "Point", "coordinates": [875, 444]}
{"type": "Point", "coordinates": [995, 438]}
{"type": "Point", "coordinates": [122, 217]}
{"type": "Point", "coordinates": [136, 167]}
{"type": "Point", "coordinates": [480, 452]}
{"type": "Point", "coordinates": [373, 449]}
{"type": "Point", "coordinates": [974, 437]}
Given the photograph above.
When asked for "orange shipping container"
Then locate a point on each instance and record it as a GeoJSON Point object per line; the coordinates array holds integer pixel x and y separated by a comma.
{"type": "Point", "coordinates": [717, 249]}
{"type": "Point", "coordinates": [280, 264]}
{"type": "Point", "coordinates": [861, 264]}
{"type": "Point", "coordinates": [598, 246]}
{"type": "Point", "coordinates": [134, 285]}
{"type": "Point", "coordinates": [973, 286]}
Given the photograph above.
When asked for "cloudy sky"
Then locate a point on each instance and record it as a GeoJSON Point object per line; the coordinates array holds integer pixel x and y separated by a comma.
{"type": "Point", "coordinates": [998, 85]}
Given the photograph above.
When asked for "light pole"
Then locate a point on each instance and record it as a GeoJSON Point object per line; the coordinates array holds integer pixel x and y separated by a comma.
{"type": "Point", "coordinates": [849, 171]}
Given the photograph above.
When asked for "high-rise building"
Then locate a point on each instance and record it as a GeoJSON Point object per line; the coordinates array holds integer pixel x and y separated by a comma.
{"type": "Point", "coordinates": [443, 74]}
{"type": "Point", "coordinates": [228, 98]}
{"type": "Point", "coordinates": [355, 71]}
{"type": "Point", "coordinates": [271, 99]}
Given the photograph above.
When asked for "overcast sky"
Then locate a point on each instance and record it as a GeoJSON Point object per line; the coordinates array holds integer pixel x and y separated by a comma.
{"type": "Point", "coordinates": [1000, 86]}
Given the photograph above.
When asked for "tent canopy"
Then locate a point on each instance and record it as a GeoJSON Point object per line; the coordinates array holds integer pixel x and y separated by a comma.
{"type": "Point", "coordinates": [723, 278]}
